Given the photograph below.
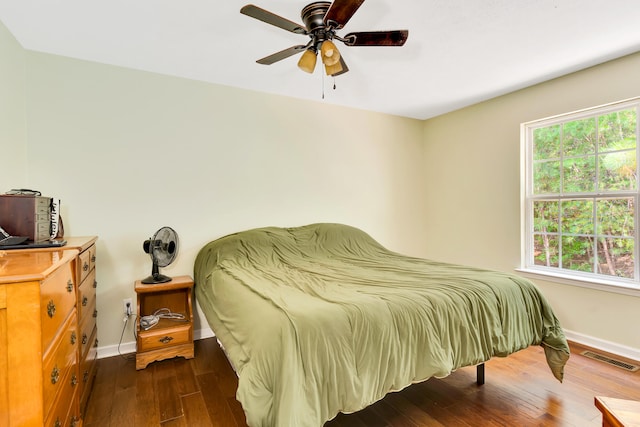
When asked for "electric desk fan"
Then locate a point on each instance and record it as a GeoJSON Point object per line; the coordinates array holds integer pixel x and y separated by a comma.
{"type": "Point", "coordinates": [163, 248]}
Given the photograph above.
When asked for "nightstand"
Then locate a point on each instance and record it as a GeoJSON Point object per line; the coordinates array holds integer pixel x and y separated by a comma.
{"type": "Point", "coordinates": [169, 337]}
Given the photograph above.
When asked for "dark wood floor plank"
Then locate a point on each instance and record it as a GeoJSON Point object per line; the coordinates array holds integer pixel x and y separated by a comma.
{"type": "Point", "coordinates": [169, 401]}
{"type": "Point", "coordinates": [148, 413]}
{"type": "Point", "coordinates": [187, 383]}
{"type": "Point", "coordinates": [520, 390]}
{"type": "Point", "coordinates": [195, 411]}
{"type": "Point", "coordinates": [216, 403]}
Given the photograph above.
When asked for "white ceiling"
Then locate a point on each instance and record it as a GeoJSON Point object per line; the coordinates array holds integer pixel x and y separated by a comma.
{"type": "Point", "coordinates": [459, 52]}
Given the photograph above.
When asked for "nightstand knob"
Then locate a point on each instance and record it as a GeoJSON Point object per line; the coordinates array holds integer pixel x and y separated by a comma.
{"type": "Point", "coordinates": [165, 340]}
{"type": "Point", "coordinates": [69, 286]}
{"type": "Point", "coordinates": [85, 300]}
{"type": "Point", "coordinates": [73, 337]}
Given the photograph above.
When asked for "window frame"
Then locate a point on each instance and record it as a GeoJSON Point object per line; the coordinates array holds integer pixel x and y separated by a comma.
{"type": "Point", "coordinates": [562, 275]}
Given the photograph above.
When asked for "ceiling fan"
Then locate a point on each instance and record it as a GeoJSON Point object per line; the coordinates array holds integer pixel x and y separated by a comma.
{"type": "Point", "coordinates": [321, 21]}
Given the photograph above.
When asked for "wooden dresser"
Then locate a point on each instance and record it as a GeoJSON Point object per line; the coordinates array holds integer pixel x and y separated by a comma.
{"type": "Point", "coordinates": [47, 307]}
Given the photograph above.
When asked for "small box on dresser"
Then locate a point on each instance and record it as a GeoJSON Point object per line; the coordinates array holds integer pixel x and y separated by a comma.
{"type": "Point", "coordinates": [28, 216]}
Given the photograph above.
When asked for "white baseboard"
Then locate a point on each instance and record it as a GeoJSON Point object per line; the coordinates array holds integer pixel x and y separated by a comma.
{"type": "Point", "coordinates": [595, 343]}
{"type": "Point", "coordinates": [130, 347]}
{"type": "Point", "coordinates": [604, 345]}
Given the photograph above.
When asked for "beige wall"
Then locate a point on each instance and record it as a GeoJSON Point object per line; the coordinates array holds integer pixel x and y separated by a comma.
{"type": "Point", "coordinates": [472, 167]}
{"type": "Point", "coordinates": [134, 151]}
{"type": "Point", "coordinates": [13, 133]}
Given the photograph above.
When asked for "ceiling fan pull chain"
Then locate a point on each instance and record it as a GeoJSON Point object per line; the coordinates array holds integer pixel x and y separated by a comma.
{"type": "Point", "coordinates": [334, 83]}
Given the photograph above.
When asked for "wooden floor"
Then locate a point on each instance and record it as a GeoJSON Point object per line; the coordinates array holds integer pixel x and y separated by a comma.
{"type": "Point", "coordinates": [519, 391]}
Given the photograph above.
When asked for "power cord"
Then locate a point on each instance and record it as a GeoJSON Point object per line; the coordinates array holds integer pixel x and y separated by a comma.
{"type": "Point", "coordinates": [129, 356]}
{"type": "Point", "coordinates": [148, 322]}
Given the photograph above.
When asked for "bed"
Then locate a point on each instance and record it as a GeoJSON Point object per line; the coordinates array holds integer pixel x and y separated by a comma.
{"type": "Point", "coordinates": [322, 319]}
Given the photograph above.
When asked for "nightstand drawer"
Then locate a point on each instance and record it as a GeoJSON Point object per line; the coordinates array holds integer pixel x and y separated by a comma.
{"type": "Point", "coordinates": [164, 337]}
{"type": "Point", "coordinates": [57, 298]}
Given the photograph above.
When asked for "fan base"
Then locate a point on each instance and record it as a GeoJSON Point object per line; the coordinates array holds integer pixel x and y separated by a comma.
{"type": "Point", "coordinates": [155, 279]}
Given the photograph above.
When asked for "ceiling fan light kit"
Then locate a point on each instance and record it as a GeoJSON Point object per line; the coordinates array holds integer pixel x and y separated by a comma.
{"type": "Point", "coordinates": [321, 21]}
{"type": "Point", "coordinates": [307, 61]}
{"type": "Point", "coordinates": [330, 53]}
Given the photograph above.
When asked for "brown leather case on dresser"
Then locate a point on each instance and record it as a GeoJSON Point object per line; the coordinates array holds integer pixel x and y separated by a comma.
{"type": "Point", "coordinates": [47, 327]}
{"type": "Point", "coordinates": [28, 216]}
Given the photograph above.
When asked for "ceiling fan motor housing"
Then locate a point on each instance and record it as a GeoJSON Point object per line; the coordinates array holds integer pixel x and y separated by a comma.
{"type": "Point", "coordinates": [313, 15]}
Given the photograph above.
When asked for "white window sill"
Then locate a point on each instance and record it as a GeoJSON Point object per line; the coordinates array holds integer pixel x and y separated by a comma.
{"type": "Point", "coordinates": [591, 283]}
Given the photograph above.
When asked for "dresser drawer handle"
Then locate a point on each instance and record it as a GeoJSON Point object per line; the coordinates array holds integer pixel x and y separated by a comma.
{"type": "Point", "coordinates": [165, 340]}
{"type": "Point", "coordinates": [58, 423]}
{"type": "Point", "coordinates": [84, 339]}
{"type": "Point", "coordinates": [69, 286]}
{"type": "Point", "coordinates": [85, 300]}
{"type": "Point", "coordinates": [74, 380]}
{"type": "Point", "coordinates": [85, 267]}
{"type": "Point", "coordinates": [74, 421]}
{"type": "Point", "coordinates": [74, 338]}
{"type": "Point", "coordinates": [95, 283]}
{"type": "Point", "coordinates": [55, 375]}
{"type": "Point", "coordinates": [95, 343]}
{"type": "Point", "coordinates": [95, 313]}
{"type": "Point", "coordinates": [93, 258]}
{"type": "Point", "coordinates": [85, 376]}
{"type": "Point", "coordinates": [51, 309]}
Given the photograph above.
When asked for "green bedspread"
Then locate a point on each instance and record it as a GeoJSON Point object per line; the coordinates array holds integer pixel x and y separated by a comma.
{"type": "Point", "coordinates": [322, 319]}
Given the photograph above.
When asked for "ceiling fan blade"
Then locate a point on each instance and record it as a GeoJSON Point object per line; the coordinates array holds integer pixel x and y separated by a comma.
{"type": "Point", "coordinates": [340, 12]}
{"type": "Point", "coordinates": [279, 56]}
{"type": "Point", "coordinates": [377, 38]}
{"type": "Point", "coordinates": [273, 19]}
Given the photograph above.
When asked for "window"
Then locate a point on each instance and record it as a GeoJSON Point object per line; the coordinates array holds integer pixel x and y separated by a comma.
{"type": "Point", "coordinates": [581, 195]}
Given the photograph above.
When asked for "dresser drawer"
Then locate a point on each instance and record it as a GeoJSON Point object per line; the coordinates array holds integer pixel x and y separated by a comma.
{"type": "Point", "coordinates": [92, 257]}
{"type": "Point", "coordinates": [88, 370]}
{"type": "Point", "coordinates": [84, 264]}
{"type": "Point", "coordinates": [57, 298]}
{"type": "Point", "coordinates": [87, 328]}
{"type": "Point", "coordinates": [60, 368]}
{"type": "Point", "coordinates": [65, 411]}
{"type": "Point", "coordinates": [164, 337]}
{"type": "Point", "coordinates": [87, 296]}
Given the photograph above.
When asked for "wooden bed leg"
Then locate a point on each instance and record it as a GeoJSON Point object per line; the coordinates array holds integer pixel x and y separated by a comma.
{"type": "Point", "coordinates": [480, 374]}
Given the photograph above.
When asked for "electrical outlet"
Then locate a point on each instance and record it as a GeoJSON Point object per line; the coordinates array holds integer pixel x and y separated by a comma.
{"type": "Point", "coordinates": [127, 306]}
